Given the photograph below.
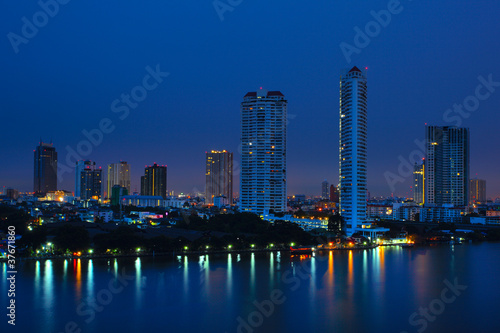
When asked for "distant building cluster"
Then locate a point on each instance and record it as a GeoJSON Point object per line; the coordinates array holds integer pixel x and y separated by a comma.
{"type": "Point", "coordinates": [442, 190]}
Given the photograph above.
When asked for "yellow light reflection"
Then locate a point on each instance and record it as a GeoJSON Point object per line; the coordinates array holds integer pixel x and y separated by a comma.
{"type": "Point", "coordinates": [350, 269]}
{"type": "Point", "coordinates": [77, 268]}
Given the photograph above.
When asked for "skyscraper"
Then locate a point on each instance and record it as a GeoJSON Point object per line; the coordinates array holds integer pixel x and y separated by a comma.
{"type": "Point", "coordinates": [219, 176]}
{"type": "Point", "coordinates": [118, 174]}
{"type": "Point", "coordinates": [447, 165]}
{"type": "Point", "coordinates": [116, 192]}
{"type": "Point", "coordinates": [353, 148]}
{"type": "Point", "coordinates": [418, 183]}
{"type": "Point", "coordinates": [80, 166]}
{"type": "Point", "coordinates": [325, 190]}
{"type": "Point", "coordinates": [154, 181]}
{"type": "Point", "coordinates": [477, 192]}
{"type": "Point", "coordinates": [334, 194]}
{"type": "Point", "coordinates": [45, 167]}
{"type": "Point", "coordinates": [263, 156]}
{"type": "Point", "coordinates": [90, 183]}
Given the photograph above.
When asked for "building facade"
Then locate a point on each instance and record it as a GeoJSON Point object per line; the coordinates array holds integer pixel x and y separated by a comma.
{"type": "Point", "coordinates": [219, 176]}
{"type": "Point", "coordinates": [263, 156]}
{"type": "Point", "coordinates": [325, 190]}
{"type": "Point", "coordinates": [353, 148]}
{"type": "Point", "coordinates": [444, 213]}
{"type": "Point", "coordinates": [334, 194]}
{"type": "Point", "coordinates": [477, 191]}
{"type": "Point", "coordinates": [447, 165]}
{"type": "Point", "coordinates": [80, 166]}
{"type": "Point", "coordinates": [45, 168]}
{"type": "Point", "coordinates": [118, 174]}
{"type": "Point", "coordinates": [419, 183]}
{"type": "Point", "coordinates": [117, 192]}
{"type": "Point", "coordinates": [154, 181]}
{"type": "Point", "coordinates": [90, 184]}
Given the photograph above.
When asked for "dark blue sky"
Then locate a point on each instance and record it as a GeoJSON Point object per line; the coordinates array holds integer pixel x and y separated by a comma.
{"type": "Point", "coordinates": [64, 79]}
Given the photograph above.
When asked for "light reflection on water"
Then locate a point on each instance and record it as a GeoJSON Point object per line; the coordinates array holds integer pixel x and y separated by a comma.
{"type": "Point", "coordinates": [335, 289]}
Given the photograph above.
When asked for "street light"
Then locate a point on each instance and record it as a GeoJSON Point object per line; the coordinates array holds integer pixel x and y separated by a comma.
{"type": "Point", "coordinates": [229, 246]}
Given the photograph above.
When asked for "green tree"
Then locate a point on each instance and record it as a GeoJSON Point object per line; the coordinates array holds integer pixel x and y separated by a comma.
{"type": "Point", "coordinates": [72, 238]}
{"type": "Point", "coordinates": [336, 225]}
{"type": "Point", "coordinates": [34, 239]}
{"type": "Point", "coordinates": [10, 216]}
{"type": "Point", "coordinates": [124, 238]}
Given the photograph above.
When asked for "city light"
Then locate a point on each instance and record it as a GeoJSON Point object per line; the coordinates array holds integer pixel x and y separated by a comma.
{"type": "Point", "coordinates": [186, 248]}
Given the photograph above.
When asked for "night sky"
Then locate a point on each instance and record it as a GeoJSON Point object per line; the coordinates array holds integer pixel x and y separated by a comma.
{"type": "Point", "coordinates": [65, 78]}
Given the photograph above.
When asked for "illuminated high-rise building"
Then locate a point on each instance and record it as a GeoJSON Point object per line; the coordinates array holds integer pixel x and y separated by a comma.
{"type": "Point", "coordinates": [90, 183]}
{"type": "Point", "coordinates": [80, 166]}
{"type": "Point", "coordinates": [353, 148]}
{"type": "Point", "coordinates": [418, 183]}
{"type": "Point", "coordinates": [118, 174]}
{"type": "Point", "coordinates": [117, 191]}
{"type": "Point", "coordinates": [325, 190]}
{"type": "Point", "coordinates": [219, 176]}
{"type": "Point", "coordinates": [154, 181]}
{"type": "Point", "coordinates": [45, 168]}
{"type": "Point", "coordinates": [334, 194]}
{"type": "Point", "coordinates": [477, 191]}
{"type": "Point", "coordinates": [447, 165]}
{"type": "Point", "coordinates": [263, 152]}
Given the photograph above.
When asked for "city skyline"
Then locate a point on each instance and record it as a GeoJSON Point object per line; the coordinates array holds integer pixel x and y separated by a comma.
{"type": "Point", "coordinates": [250, 166]}
{"type": "Point", "coordinates": [81, 164]}
{"type": "Point", "coordinates": [421, 82]}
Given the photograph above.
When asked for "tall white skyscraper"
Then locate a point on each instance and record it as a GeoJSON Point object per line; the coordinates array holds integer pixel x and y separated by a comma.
{"type": "Point", "coordinates": [118, 174]}
{"type": "Point", "coordinates": [263, 152]}
{"type": "Point", "coordinates": [353, 148]}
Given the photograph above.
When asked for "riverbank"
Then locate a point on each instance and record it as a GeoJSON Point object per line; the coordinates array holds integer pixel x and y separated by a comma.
{"type": "Point", "coordinates": [177, 253]}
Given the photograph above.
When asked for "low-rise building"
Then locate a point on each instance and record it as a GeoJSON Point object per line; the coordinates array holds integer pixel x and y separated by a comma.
{"type": "Point", "coordinates": [405, 211]}
{"type": "Point", "coordinates": [379, 211]}
{"type": "Point", "coordinates": [142, 201]}
{"type": "Point", "coordinates": [444, 213]}
{"type": "Point", "coordinates": [305, 223]}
